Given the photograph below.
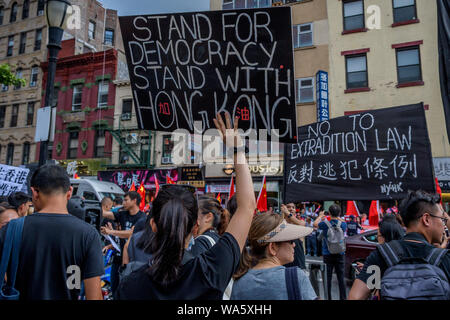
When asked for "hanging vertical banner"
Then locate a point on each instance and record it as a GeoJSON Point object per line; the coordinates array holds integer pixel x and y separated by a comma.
{"type": "Point", "coordinates": [323, 109]}
{"type": "Point", "coordinates": [188, 67]}
{"type": "Point", "coordinates": [379, 155]}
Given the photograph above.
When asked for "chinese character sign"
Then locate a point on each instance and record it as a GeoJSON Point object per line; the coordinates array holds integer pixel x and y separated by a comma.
{"type": "Point", "coordinates": [188, 67]}
{"type": "Point", "coordinates": [378, 155]}
{"type": "Point", "coordinates": [323, 110]}
{"type": "Point", "coordinates": [12, 179]}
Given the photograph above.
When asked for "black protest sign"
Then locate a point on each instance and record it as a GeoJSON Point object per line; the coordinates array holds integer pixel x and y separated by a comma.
{"type": "Point", "coordinates": [188, 67]}
{"type": "Point", "coordinates": [376, 155]}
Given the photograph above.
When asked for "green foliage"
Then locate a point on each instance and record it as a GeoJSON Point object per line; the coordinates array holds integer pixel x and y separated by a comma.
{"type": "Point", "coordinates": [7, 78]}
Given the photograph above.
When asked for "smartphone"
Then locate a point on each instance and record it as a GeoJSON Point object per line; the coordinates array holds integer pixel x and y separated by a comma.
{"type": "Point", "coordinates": [447, 233]}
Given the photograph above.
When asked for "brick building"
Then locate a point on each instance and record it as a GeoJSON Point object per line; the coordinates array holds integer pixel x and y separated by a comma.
{"type": "Point", "coordinates": [85, 96]}
{"type": "Point", "coordinates": [23, 39]}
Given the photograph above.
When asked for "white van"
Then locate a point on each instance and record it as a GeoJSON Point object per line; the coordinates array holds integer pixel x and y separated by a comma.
{"type": "Point", "coordinates": [95, 190]}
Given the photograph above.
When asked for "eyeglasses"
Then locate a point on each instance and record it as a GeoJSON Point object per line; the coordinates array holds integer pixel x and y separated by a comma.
{"type": "Point", "coordinates": [444, 220]}
{"type": "Point", "coordinates": [291, 242]}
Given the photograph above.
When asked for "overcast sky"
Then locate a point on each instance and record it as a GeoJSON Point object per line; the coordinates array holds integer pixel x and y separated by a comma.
{"type": "Point", "coordinates": [137, 7]}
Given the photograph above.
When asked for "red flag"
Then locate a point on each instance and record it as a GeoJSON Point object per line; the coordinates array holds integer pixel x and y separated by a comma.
{"type": "Point", "coordinates": [219, 198]}
{"type": "Point", "coordinates": [352, 209]}
{"type": "Point", "coordinates": [156, 184]}
{"type": "Point", "coordinates": [231, 187]}
{"type": "Point", "coordinates": [374, 213]}
{"type": "Point", "coordinates": [438, 189]}
{"type": "Point", "coordinates": [75, 176]}
{"type": "Point", "coordinates": [132, 188]}
{"type": "Point", "coordinates": [141, 192]}
{"type": "Point", "coordinates": [169, 180]}
{"type": "Point", "coordinates": [261, 203]}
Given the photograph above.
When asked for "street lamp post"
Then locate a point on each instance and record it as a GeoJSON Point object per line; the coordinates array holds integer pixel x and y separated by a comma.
{"type": "Point", "coordinates": [56, 12]}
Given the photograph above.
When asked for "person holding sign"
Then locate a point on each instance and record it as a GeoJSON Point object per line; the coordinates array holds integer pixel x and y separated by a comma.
{"type": "Point", "coordinates": [173, 273]}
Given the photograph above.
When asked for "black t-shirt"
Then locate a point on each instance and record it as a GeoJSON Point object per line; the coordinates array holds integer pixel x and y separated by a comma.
{"type": "Point", "coordinates": [412, 249]}
{"type": "Point", "coordinates": [352, 228]}
{"type": "Point", "coordinates": [202, 242]}
{"type": "Point", "coordinates": [127, 221]}
{"type": "Point", "coordinates": [51, 243]}
{"type": "Point", "coordinates": [205, 276]}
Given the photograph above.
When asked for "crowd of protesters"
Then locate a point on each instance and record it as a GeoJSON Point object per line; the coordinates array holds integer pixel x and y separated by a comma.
{"type": "Point", "coordinates": [190, 247]}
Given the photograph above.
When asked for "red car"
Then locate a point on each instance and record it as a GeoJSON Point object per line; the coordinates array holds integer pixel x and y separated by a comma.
{"type": "Point", "coordinates": [358, 248]}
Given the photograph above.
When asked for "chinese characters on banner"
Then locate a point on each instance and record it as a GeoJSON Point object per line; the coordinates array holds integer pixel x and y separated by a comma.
{"type": "Point", "coordinates": [323, 110]}
{"type": "Point", "coordinates": [190, 66]}
{"type": "Point", "coordinates": [12, 179]}
{"type": "Point", "coordinates": [379, 155]}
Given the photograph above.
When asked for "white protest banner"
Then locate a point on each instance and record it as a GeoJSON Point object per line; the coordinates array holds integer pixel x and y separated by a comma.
{"type": "Point", "coordinates": [12, 179]}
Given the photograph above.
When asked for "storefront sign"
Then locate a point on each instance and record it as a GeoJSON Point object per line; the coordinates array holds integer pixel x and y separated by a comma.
{"type": "Point", "coordinates": [323, 109]}
{"type": "Point", "coordinates": [257, 170]}
{"type": "Point", "coordinates": [74, 117]}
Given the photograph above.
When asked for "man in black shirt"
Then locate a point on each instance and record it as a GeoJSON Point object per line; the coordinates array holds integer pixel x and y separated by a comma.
{"type": "Point", "coordinates": [424, 219]}
{"type": "Point", "coordinates": [126, 218]}
{"type": "Point", "coordinates": [352, 227]}
{"type": "Point", "coordinates": [58, 250]}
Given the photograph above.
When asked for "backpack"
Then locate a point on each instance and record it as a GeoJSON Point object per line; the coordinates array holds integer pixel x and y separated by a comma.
{"type": "Point", "coordinates": [335, 238]}
{"type": "Point", "coordinates": [411, 278]}
{"type": "Point", "coordinates": [11, 250]}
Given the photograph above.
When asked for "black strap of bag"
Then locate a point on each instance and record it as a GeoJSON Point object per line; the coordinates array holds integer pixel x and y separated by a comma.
{"type": "Point", "coordinates": [292, 284]}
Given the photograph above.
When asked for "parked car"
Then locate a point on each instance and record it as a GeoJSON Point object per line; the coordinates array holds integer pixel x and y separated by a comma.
{"type": "Point", "coordinates": [358, 248]}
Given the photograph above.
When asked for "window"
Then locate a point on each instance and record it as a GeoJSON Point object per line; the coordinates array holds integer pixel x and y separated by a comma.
{"type": "Point", "coordinates": [23, 42]}
{"type": "Point", "coordinates": [167, 149]}
{"type": "Point", "coordinates": [305, 90]}
{"type": "Point", "coordinates": [103, 87]}
{"type": "Point", "coordinates": [89, 196]}
{"type": "Point", "coordinates": [30, 113]}
{"type": "Point", "coordinates": [26, 9]}
{"type": "Point", "coordinates": [109, 37]}
{"type": "Point", "coordinates": [4, 88]}
{"type": "Point", "coordinates": [99, 144]}
{"type": "Point", "coordinates": [19, 72]}
{"type": "Point", "coordinates": [353, 15]}
{"type": "Point", "coordinates": [14, 115]}
{"type": "Point", "coordinates": [73, 145]}
{"type": "Point", "coordinates": [127, 106]}
{"type": "Point", "coordinates": [303, 35]}
{"type": "Point", "coordinates": [2, 14]}
{"type": "Point", "coordinates": [249, 4]}
{"type": "Point", "coordinates": [40, 7]}
{"type": "Point", "coordinates": [356, 71]}
{"type": "Point", "coordinates": [55, 96]}
{"type": "Point", "coordinates": [26, 153]}
{"type": "Point", "coordinates": [10, 154]}
{"type": "Point", "coordinates": [404, 10]}
{"type": "Point", "coordinates": [2, 116]}
{"type": "Point", "coordinates": [408, 65]}
{"type": "Point", "coordinates": [38, 40]}
{"type": "Point", "coordinates": [91, 30]}
{"type": "Point", "coordinates": [9, 52]}
{"type": "Point", "coordinates": [34, 76]}
{"type": "Point", "coordinates": [77, 96]}
{"type": "Point", "coordinates": [13, 16]}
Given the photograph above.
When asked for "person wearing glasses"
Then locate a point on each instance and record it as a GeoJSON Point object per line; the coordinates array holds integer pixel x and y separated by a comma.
{"type": "Point", "coordinates": [425, 221]}
{"type": "Point", "coordinates": [173, 272]}
{"type": "Point", "coordinates": [261, 274]}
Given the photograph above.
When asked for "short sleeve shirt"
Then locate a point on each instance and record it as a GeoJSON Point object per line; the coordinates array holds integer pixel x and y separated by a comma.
{"type": "Point", "coordinates": [53, 247]}
{"type": "Point", "coordinates": [269, 284]}
{"type": "Point", "coordinates": [205, 276]}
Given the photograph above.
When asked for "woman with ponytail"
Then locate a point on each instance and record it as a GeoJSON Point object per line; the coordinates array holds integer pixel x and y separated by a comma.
{"type": "Point", "coordinates": [261, 274]}
{"type": "Point", "coordinates": [172, 271]}
{"type": "Point", "coordinates": [212, 222]}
